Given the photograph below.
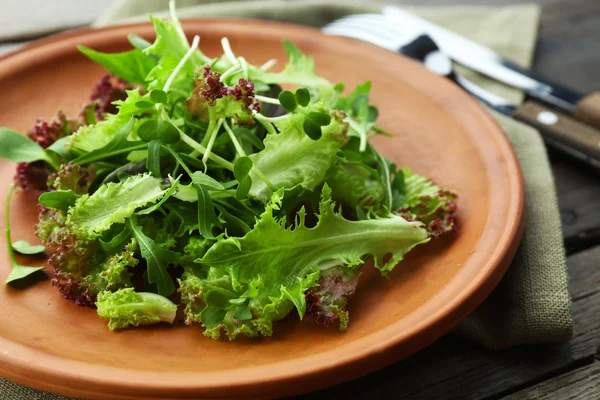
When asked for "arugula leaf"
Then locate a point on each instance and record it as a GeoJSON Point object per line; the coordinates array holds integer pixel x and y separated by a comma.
{"type": "Point", "coordinates": [235, 225]}
{"type": "Point", "coordinates": [132, 66]}
{"type": "Point", "coordinates": [157, 259]}
{"type": "Point", "coordinates": [19, 148]}
{"type": "Point", "coordinates": [168, 194]}
{"type": "Point", "coordinates": [241, 171]}
{"type": "Point", "coordinates": [201, 178]}
{"type": "Point", "coordinates": [24, 247]}
{"type": "Point", "coordinates": [59, 199]}
{"type": "Point", "coordinates": [398, 190]}
{"type": "Point", "coordinates": [384, 172]}
{"type": "Point", "coordinates": [153, 160]}
{"type": "Point", "coordinates": [117, 241]}
{"type": "Point", "coordinates": [206, 212]}
{"type": "Point", "coordinates": [18, 271]}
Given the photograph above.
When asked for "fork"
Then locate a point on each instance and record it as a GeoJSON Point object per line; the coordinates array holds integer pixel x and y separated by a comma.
{"type": "Point", "coordinates": [377, 29]}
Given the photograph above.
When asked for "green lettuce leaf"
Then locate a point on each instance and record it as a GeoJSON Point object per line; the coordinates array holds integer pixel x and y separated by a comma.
{"type": "Point", "coordinates": [113, 203]}
{"type": "Point", "coordinates": [291, 158]}
{"type": "Point", "coordinates": [126, 307]}
{"type": "Point", "coordinates": [96, 136]}
{"type": "Point", "coordinates": [262, 276]}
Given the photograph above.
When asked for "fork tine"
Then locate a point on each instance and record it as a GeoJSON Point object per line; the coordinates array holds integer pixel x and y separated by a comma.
{"type": "Point", "coordinates": [362, 26]}
{"type": "Point", "coordinates": [375, 24]}
{"type": "Point", "coordinates": [360, 35]}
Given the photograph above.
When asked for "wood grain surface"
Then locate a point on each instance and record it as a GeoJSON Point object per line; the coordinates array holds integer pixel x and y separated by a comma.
{"type": "Point", "coordinates": [568, 51]}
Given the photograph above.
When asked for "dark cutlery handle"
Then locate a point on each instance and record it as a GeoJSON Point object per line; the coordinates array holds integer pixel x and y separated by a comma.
{"type": "Point", "coordinates": [588, 109]}
{"type": "Point", "coordinates": [419, 48]}
{"type": "Point", "coordinates": [573, 138]}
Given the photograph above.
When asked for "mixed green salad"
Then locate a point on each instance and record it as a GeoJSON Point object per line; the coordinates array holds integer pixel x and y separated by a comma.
{"type": "Point", "coordinates": [197, 184]}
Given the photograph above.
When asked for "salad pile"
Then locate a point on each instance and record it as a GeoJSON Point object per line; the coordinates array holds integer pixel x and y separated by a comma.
{"type": "Point", "coordinates": [197, 184]}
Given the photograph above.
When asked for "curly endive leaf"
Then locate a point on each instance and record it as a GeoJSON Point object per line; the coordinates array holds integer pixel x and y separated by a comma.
{"type": "Point", "coordinates": [113, 203]}
{"type": "Point", "coordinates": [273, 265]}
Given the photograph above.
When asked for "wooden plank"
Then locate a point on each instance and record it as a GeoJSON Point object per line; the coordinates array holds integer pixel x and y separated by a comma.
{"type": "Point", "coordinates": [454, 368]}
{"type": "Point", "coordinates": [584, 274]}
{"type": "Point", "coordinates": [579, 200]}
{"type": "Point", "coordinates": [581, 384]}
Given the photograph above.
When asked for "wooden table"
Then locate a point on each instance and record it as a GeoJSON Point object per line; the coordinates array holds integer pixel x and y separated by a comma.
{"type": "Point", "coordinates": [568, 51]}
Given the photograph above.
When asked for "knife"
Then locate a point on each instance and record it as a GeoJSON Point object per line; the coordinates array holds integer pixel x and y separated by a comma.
{"type": "Point", "coordinates": [585, 108]}
{"type": "Point", "coordinates": [576, 140]}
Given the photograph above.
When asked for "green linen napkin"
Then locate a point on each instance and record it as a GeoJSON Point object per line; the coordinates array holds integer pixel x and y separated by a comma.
{"type": "Point", "coordinates": [531, 304]}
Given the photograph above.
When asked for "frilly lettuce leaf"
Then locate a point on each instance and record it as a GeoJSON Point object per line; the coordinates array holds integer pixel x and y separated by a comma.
{"type": "Point", "coordinates": [125, 308]}
{"type": "Point", "coordinates": [113, 203]}
{"type": "Point", "coordinates": [417, 198]}
{"type": "Point", "coordinates": [261, 277]}
{"type": "Point", "coordinates": [291, 158]}
{"type": "Point", "coordinates": [114, 272]}
{"type": "Point", "coordinates": [327, 301]}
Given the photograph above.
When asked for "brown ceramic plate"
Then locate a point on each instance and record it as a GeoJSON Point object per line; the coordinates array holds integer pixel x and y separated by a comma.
{"type": "Point", "coordinates": [51, 344]}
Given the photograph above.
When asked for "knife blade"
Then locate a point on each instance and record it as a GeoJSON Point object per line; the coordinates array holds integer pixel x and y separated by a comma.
{"type": "Point", "coordinates": [486, 61]}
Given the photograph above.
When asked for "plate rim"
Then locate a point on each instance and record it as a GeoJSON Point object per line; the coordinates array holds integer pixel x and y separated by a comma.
{"type": "Point", "coordinates": [43, 373]}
